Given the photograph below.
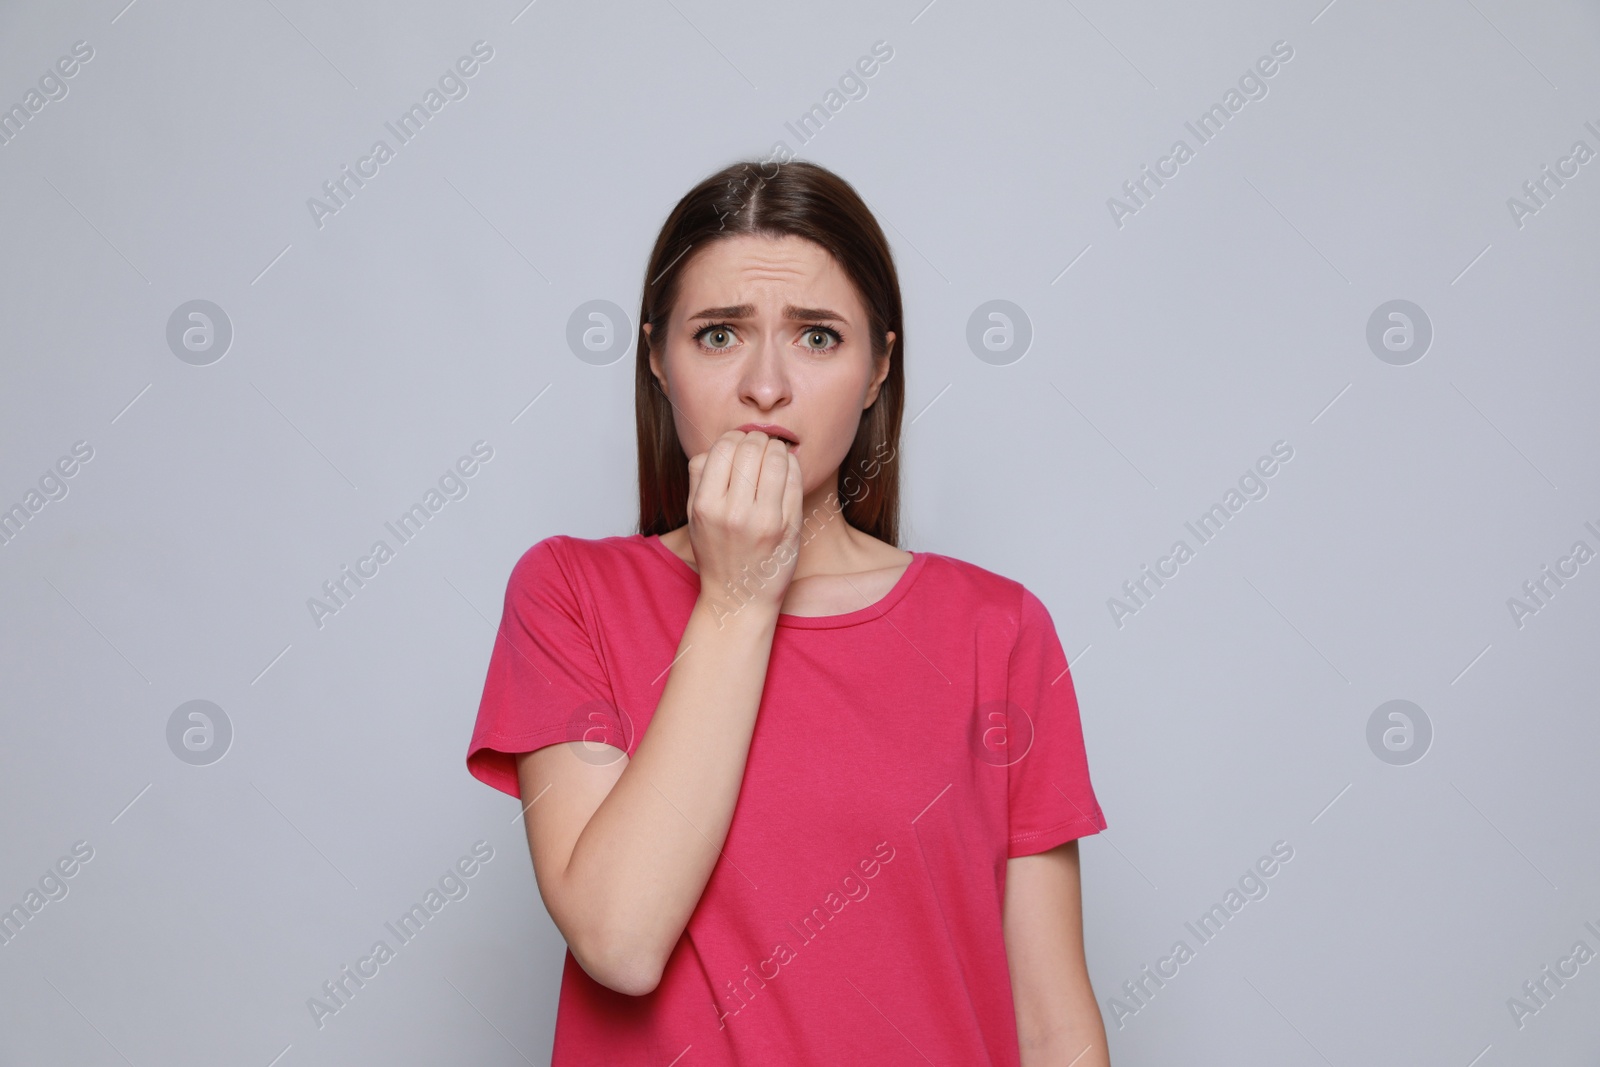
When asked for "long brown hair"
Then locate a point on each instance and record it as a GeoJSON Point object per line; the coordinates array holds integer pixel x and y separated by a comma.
{"type": "Point", "coordinates": [776, 199]}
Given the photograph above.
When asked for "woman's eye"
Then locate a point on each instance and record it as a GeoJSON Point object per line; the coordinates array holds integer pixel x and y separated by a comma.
{"type": "Point", "coordinates": [719, 336]}
{"type": "Point", "coordinates": [822, 335]}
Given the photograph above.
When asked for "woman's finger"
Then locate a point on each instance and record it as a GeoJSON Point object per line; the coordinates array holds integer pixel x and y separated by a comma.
{"type": "Point", "coordinates": [697, 464]}
{"type": "Point", "coordinates": [773, 478]}
{"type": "Point", "coordinates": [718, 467]}
{"type": "Point", "coordinates": [794, 492]}
{"type": "Point", "coordinates": [744, 482]}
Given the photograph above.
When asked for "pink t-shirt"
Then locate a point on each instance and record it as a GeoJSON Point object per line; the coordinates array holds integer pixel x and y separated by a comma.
{"type": "Point", "coordinates": [902, 753]}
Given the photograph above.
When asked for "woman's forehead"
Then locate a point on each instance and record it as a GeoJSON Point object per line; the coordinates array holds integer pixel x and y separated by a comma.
{"type": "Point", "coordinates": [748, 276]}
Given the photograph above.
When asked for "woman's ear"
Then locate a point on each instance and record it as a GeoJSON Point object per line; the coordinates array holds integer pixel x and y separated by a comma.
{"type": "Point", "coordinates": [883, 370]}
{"type": "Point", "coordinates": [655, 360]}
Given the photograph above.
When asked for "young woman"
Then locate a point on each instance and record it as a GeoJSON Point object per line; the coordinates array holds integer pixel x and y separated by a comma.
{"type": "Point", "coordinates": [793, 794]}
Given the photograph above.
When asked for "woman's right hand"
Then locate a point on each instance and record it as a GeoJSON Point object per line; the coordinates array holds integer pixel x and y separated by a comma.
{"type": "Point", "coordinates": [745, 495]}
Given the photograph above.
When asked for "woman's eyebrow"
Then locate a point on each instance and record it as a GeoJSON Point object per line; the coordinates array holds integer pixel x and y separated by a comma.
{"type": "Point", "coordinates": [745, 311]}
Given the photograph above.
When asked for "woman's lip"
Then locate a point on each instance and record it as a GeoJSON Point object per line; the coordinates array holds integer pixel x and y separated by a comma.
{"type": "Point", "coordinates": [772, 431]}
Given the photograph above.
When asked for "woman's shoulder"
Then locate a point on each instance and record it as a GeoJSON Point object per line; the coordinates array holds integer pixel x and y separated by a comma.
{"type": "Point", "coordinates": [972, 583]}
{"type": "Point", "coordinates": [571, 546]}
{"type": "Point", "coordinates": [567, 556]}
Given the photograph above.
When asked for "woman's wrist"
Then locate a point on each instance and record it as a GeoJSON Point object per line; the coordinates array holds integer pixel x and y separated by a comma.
{"type": "Point", "coordinates": [725, 612]}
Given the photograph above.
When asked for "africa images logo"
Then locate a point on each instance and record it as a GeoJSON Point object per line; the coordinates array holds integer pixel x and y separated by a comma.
{"type": "Point", "coordinates": [811, 926]}
{"type": "Point", "coordinates": [341, 189]}
{"type": "Point", "coordinates": [453, 885]}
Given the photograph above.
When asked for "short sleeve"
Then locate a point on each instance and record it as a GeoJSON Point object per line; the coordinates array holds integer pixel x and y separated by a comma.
{"type": "Point", "coordinates": [545, 683]}
{"type": "Point", "coordinates": [1051, 799]}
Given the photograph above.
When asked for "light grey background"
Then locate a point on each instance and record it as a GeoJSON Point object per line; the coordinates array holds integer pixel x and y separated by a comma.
{"type": "Point", "coordinates": [1168, 354]}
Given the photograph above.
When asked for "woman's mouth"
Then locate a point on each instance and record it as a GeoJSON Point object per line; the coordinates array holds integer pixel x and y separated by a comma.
{"type": "Point", "coordinates": [771, 430]}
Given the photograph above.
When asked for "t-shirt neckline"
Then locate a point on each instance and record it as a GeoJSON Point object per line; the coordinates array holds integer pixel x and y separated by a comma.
{"type": "Point", "coordinates": [872, 611]}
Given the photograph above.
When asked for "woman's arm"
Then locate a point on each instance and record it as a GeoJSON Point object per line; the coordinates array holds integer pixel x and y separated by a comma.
{"type": "Point", "coordinates": [1058, 1020]}
{"type": "Point", "coordinates": [622, 852]}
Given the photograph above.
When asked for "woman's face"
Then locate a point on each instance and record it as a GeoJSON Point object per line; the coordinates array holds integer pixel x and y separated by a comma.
{"type": "Point", "coordinates": [769, 330]}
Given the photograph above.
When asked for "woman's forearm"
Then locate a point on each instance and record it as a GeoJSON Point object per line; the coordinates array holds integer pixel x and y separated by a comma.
{"type": "Point", "coordinates": [1078, 1041]}
{"type": "Point", "coordinates": [642, 862]}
